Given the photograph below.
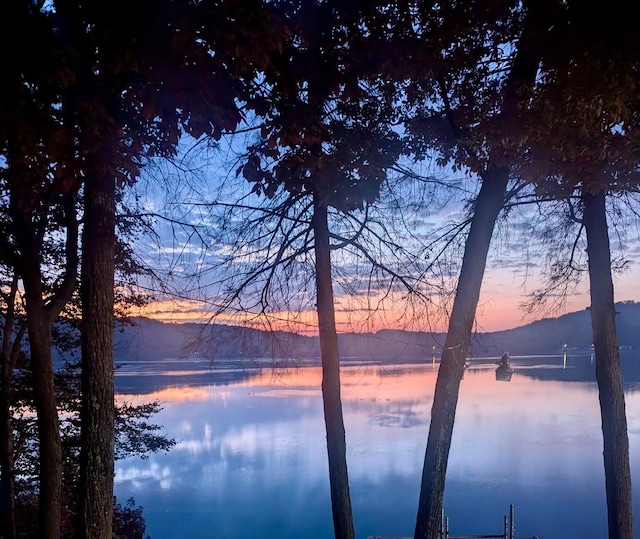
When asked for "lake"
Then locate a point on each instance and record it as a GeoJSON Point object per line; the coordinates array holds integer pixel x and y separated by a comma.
{"type": "Point", "coordinates": [251, 458]}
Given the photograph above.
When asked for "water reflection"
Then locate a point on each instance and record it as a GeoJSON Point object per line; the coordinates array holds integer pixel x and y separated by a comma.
{"type": "Point", "coordinates": [251, 459]}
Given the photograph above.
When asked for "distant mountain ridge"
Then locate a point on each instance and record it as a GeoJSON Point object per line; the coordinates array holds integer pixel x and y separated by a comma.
{"type": "Point", "coordinates": [146, 340]}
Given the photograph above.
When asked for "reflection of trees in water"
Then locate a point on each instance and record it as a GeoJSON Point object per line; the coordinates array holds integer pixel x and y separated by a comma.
{"type": "Point", "coordinates": [149, 383]}
{"type": "Point", "coordinates": [579, 368]}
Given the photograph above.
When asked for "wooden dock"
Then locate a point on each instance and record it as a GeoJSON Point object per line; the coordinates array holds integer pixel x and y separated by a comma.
{"type": "Point", "coordinates": [508, 532]}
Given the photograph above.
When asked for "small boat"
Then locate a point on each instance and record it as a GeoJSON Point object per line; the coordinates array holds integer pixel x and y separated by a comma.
{"type": "Point", "coordinates": [504, 372]}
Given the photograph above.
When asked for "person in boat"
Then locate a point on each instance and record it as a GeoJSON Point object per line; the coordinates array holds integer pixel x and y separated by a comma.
{"type": "Point", "coordinates": [506, 360]}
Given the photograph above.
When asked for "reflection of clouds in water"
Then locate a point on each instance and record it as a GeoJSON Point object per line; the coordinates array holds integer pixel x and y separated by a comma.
{"type": "Point", "coordinates": [237, 446]}
{"type": "Point", "coordinates": [298, 392]}
{"type": "Point", "coordinates": [197, 447]}
{"type": "Point", "coordinates": [402, 414]}
{"type": "Point", "coordinates": [530, 433]}
{"type": "Point", "coordinates": [206, 457]}
{"type": "Point", "coordinates": [173, 394]}
{"type": "Point", "coordinates": [184, 428]}
{"type": "Point", "coordinates": [246, 446]}
{"type": "Point", "coordinates": [137, 475]}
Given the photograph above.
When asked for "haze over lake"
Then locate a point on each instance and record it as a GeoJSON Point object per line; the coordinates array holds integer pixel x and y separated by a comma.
{"type": "Point", "coordinates": [251, 456]}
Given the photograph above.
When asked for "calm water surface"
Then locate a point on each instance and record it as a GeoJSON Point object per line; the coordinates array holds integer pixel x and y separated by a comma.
{"type": "Point", "coordinates": [251, 459]}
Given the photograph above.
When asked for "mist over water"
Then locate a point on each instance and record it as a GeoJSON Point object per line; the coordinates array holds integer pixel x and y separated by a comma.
{"type": "Point", "coordinates": [251, 457]}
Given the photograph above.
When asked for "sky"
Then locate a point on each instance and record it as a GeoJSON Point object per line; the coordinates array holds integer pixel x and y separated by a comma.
{"type": "Point", "coordinates": [502, 294]}
{"type": "Point", "coordinates": [499, 308]}
{"type": "Point", "coordinates": [188, 252]}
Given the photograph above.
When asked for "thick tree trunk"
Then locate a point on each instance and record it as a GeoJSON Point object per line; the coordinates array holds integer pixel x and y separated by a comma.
{"type": "Point", "coordinates": [98, 410]}
{"type": "Point", "coordinates": [50, 500]}
{"type": "Point", "coordinates": [608, 370]}
{"type": "Point", "coordinates": [488, 205]}
{"type": "Point", "coordinates": [336, 444]}
{"type": "Point", "coordinates": [489, 202]}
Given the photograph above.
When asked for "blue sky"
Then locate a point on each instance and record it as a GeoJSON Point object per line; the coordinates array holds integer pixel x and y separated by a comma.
{"type": "Point", "coordinates": [188, 250]}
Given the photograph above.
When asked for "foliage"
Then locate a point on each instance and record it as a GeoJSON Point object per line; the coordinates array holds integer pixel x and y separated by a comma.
{"type": "Point", "coordinates": [584, 130]}
{"type": "Point", "coordinates": [336, 93]}
{"type": "Point", "coordinates": [327, 119]}
{"type": "Point", "coordinates": [135, 436]}
{"type": "Point", "coordinates": [128, 522]}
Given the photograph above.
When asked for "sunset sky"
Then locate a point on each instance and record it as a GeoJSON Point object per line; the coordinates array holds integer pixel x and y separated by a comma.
{"type": "Point", "coordinates": [501, 297]}
{"type": "Point", "coordinates": [499, 308]}
{"type": "Point", "coordinates": [181, 255]}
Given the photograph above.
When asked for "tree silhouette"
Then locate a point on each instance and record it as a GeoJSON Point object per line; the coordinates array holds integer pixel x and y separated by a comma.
{"type": "Point", "coordinates": [103, 90]}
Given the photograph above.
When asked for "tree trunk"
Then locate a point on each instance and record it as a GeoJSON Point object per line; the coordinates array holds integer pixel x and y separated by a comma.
{"type": "Point", "coordinates": [50, 497]}
{"type": "Point", "coordinates": [608, 370]}
{"type": "Point", "coordinates": [452, 364]}
{"type": "Point", "coordinates": [7, 471]}
{"type": "Point", "coordinates": [40, 315]}
{"type": "Point", "coordinates": [39, 326]}
{"type": "Point", "coordinates": [489, 202]}
{"type": "Point", "coordinates": [98, 410]}
{"type": "Point", "coordinates": [336, 444]}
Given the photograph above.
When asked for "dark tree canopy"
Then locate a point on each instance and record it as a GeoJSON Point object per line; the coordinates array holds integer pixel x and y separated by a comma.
{"type": "Point", "coordinates": [337, 92]}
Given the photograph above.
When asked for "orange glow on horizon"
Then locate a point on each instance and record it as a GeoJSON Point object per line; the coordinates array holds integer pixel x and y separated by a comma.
{"type": "Point", "coordinates": [303, 322]}
{"type": "Point", "coordinates": [499, 308]}
{"type": "Point", "coordinates": [493, 315]}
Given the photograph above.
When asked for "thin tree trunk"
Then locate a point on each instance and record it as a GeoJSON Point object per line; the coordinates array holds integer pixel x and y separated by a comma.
{"type": "Point", "coordinates": [336, 444]}
{"type": "Point", "coordinates": [50, 496]}
{"type": "Point", "coordinates": [39, 327]}
{"type": "Point", "coordinates": [98, 410]}
{"type": "Point", "coordinates": [608, 370]}
{"type": "Point", "coordinates": [40, 315]}
{"type": "Point", "coordinates": [7, 471]}
{"type": "Point", "coordinates": [488, 205]}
